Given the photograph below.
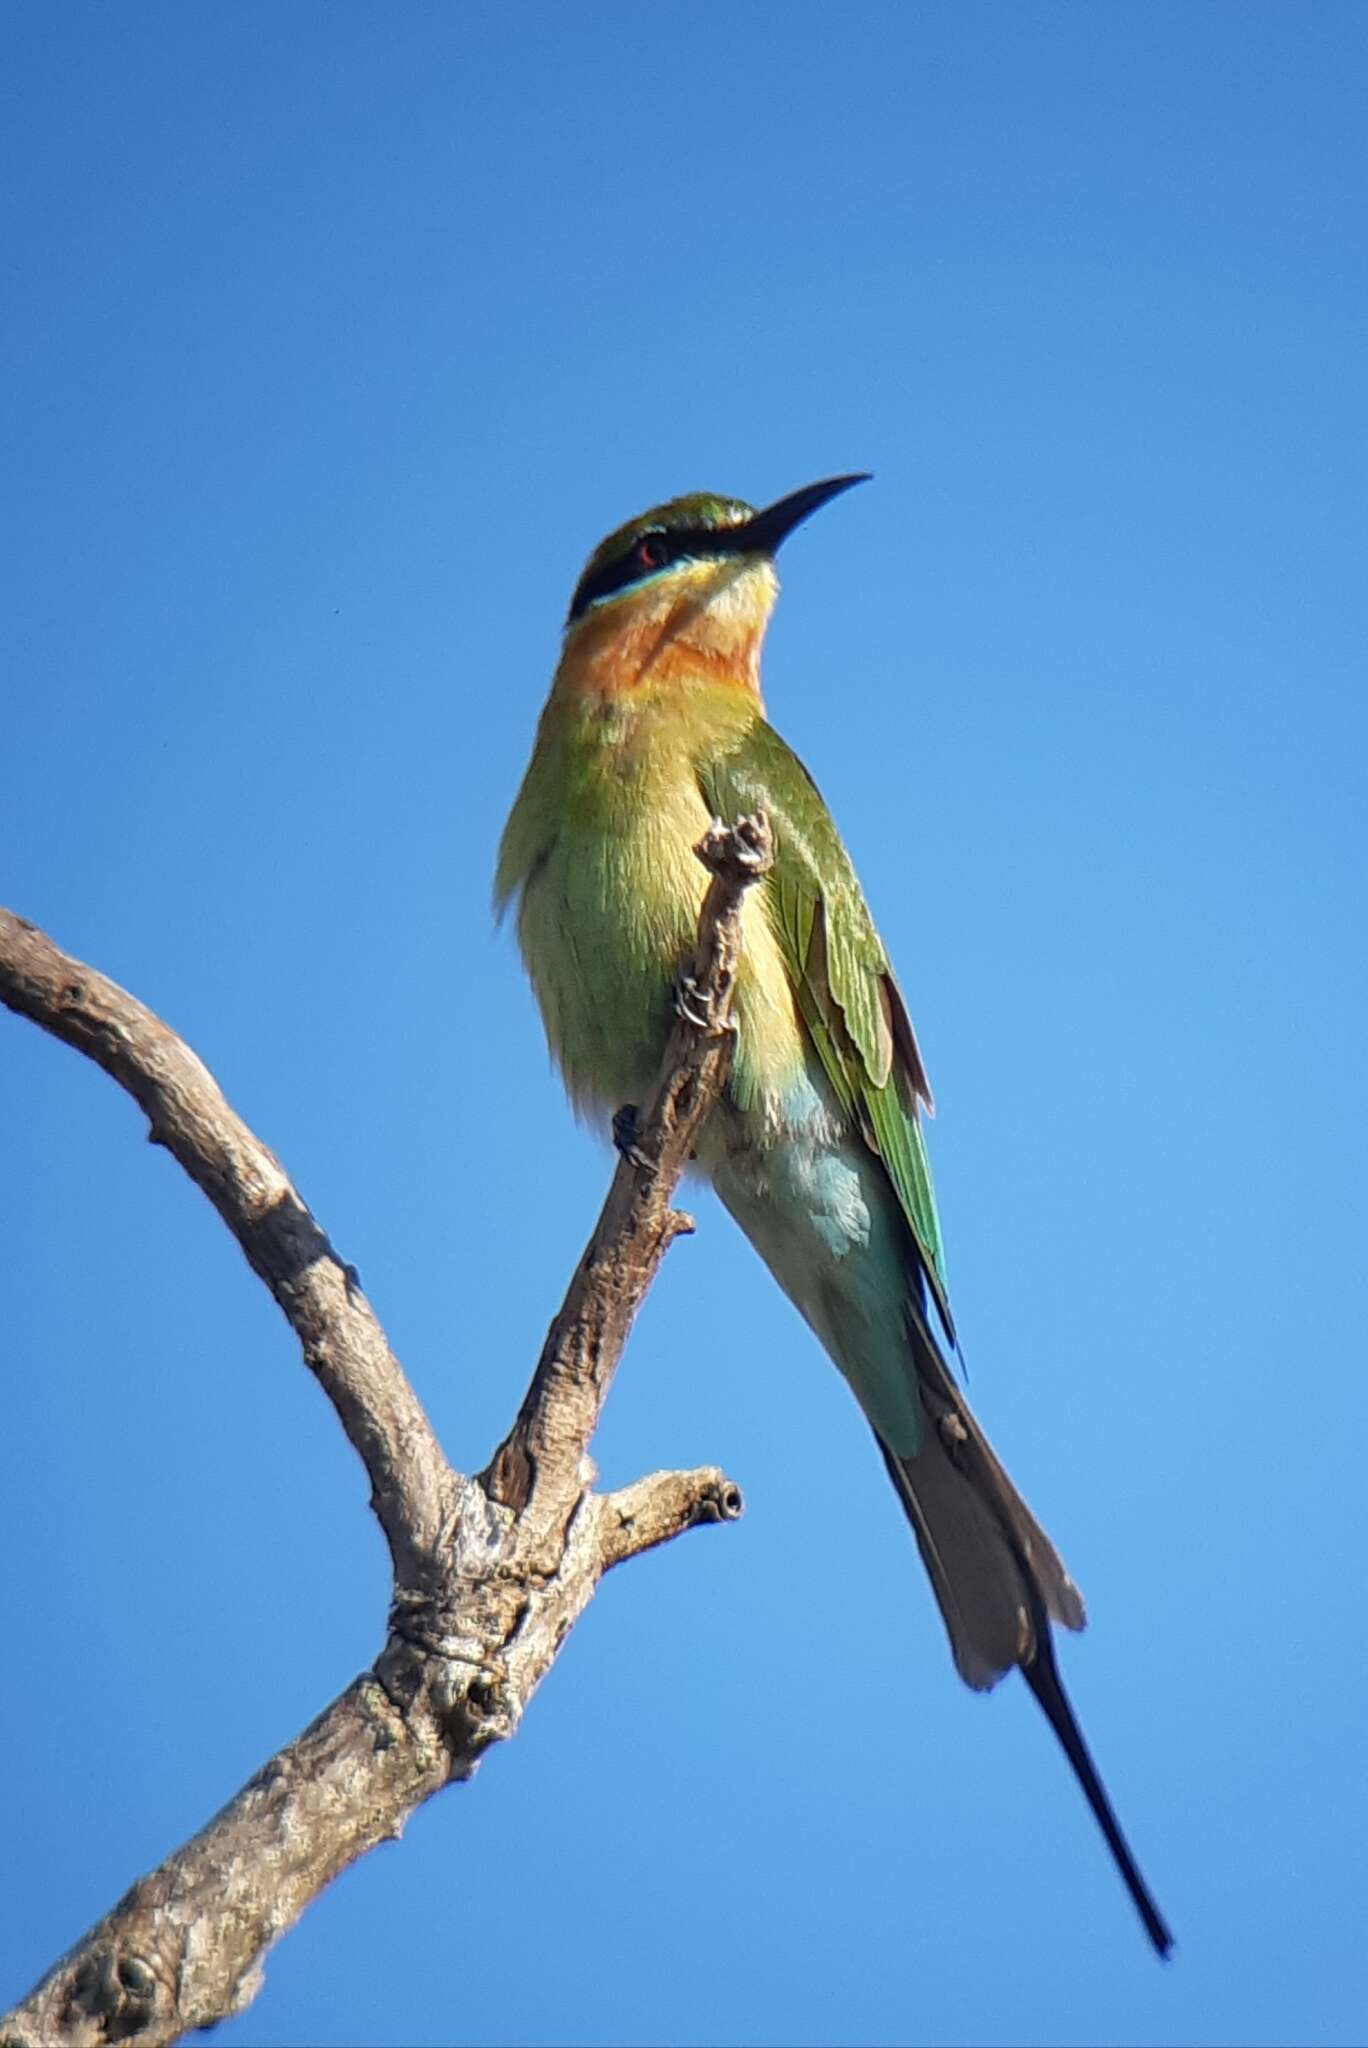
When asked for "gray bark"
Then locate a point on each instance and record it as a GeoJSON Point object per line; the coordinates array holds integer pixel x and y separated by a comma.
{"type": "Point", "coordinates": [490, 1572]}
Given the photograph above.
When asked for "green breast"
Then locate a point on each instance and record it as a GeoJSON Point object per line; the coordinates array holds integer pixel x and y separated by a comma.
{"type": "Point", "coordinates": [600, 851]}
{"type": "Point", "coordinates": [608, 911]}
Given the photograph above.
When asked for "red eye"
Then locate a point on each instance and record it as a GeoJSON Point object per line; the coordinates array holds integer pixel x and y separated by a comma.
{"type": "Point", "coordinates": [653, 551]}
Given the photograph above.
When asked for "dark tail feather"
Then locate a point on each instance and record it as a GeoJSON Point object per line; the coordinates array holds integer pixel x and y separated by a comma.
{"type": "Point", "coordinates": [998, 1580]}
{"type": "Point", "coordinates": [1042, 1675]}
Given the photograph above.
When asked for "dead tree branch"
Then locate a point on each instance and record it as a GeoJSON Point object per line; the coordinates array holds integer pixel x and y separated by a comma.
{"type": "Point", "coordinates": [490, 1573]}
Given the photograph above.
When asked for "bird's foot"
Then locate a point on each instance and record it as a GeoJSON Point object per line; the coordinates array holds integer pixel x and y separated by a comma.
{"type": "Point", "coordinates": [626, 1131]}
{"type": "Point", "coordinates": [745, 849]}
{"type": "Point", "coordinates": [691, 1004]}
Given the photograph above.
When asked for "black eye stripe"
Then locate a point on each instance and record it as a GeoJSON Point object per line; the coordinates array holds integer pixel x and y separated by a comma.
{"type": "Point", "coordinates": [632, 565]}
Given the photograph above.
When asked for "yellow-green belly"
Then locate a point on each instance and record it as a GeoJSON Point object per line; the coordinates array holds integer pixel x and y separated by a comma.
{"type": "Point", "coordinates": [606, 923]}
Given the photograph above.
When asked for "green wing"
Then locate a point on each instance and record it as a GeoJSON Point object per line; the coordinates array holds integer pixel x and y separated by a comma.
{"type": "Point", "coordinates": [845, 989]}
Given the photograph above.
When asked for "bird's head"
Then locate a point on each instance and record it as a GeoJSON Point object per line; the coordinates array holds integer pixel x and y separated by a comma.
{"type": "Point", "coordinates": [693, 579]}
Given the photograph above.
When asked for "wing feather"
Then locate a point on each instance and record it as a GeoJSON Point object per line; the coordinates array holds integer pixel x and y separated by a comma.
{"type": "Point", "coordinates": [841, 978]}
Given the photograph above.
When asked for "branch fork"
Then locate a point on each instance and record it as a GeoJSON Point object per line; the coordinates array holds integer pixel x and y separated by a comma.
{"type": "Point", "coordinates": [490, 1573]}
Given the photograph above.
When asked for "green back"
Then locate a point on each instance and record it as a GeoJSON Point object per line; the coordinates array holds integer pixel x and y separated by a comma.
{"type": "Point", "coordinates": [840, 973]}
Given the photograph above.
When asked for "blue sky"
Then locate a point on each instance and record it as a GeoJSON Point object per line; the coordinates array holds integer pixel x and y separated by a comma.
{"type": "Point", "coordinates": [336, 337]}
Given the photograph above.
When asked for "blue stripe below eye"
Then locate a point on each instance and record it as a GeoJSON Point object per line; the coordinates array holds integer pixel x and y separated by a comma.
{"type": "Point", "coordinates": [591, 604]}
{"type": "Point", "coordinates": [611, 579]}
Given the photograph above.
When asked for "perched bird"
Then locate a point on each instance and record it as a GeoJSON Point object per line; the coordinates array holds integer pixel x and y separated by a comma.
{"type": "Point", "coordinates": [654, 728]}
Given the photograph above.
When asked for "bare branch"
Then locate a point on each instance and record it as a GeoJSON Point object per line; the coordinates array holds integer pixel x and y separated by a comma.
{"type": "Point", "coordinates": [537, 1466]}
{"type": "Point", "coordinates": [490, 1575]}
{"type": "Point", "coordinates": [182, 1949]}
{"type": "Point", "coordinates": [662, 1506]}
{"type": "Point", "coordinates": [343, 1344]}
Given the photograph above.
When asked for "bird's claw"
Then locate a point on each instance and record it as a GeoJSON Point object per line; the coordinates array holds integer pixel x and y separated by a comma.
{"type": "Point", "coordinates": [691, 1004]}
{"type": "Point", "coordinates": [745, 849]}
{"type": "Point", "coordinates": [626, 1131]}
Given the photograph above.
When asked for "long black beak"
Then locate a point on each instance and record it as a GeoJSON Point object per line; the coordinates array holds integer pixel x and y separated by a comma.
{"type": "Point", "coordinates": [764, 532]}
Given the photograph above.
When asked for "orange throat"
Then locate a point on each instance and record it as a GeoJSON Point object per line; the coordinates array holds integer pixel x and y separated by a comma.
{"type": "Point", "coordinates": [708, 629]}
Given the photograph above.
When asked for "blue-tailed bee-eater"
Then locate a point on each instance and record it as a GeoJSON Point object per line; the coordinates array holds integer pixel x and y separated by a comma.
{"type": "Point", "coordinates": [655, 728]}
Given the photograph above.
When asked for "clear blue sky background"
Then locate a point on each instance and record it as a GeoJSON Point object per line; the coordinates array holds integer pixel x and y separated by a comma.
{"type": "Point", "coordinates": [337, 335]}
